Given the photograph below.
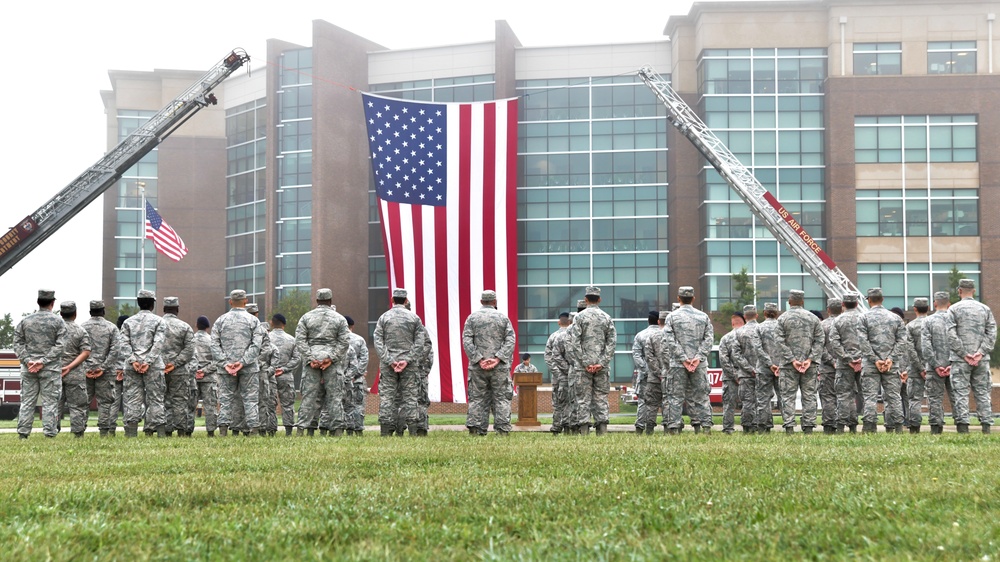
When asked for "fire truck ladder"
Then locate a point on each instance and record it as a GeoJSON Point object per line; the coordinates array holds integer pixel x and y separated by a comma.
{"type": "Point", "coordinates": [778, 220]}
{"type": "Point", "coordinates": [36, 227]}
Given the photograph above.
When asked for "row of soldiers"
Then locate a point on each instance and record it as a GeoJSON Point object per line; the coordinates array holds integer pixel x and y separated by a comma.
{"type": "Point", "coordinates": [853, 357]}
{"type": "Point", "coordinates": [156, 369]}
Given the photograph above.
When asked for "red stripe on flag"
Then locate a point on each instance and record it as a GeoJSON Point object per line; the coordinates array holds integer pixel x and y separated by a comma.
{"type": "Point", "coordinates": [385, 250]}
{"type": "Point", "coordinates": [441, 259]}
{"type": "Point", "coordinates": [489, 196]}
{"type": "Point", "coordinates": [396, 242]}
{"type": "Point", "coordinates": [464, 220]}
{"type": "Point", "coordinates": [511, 187]}
{"type": "Point", "coordinates": [418, 261]}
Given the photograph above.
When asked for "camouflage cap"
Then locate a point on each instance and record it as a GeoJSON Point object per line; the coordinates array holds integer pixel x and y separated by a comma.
{"type": "Point", "coordinates": [771, 307]}
{"type": "Point", "coordinates": [664, 314]}
{"type": "Point", "coordinates": [146, 294]}
{"type": "Point", "coordinates": [920, 301]}
{"type": "Point", "coordinates": [582, 303]}
{"type": "Point", "coordinates": [252, 308]}
{"type": "Point", "coordinates": [675, 306]}
{"type": "Point", "coordinates": [324, 295]}
{"type": "Point", "coordinates": [749, 308]}
{"type": "Point", "coordinates": [685, 292]}
{"type": "Point", "coordinates": [172, 301]}
{"type": "Point", "coordinates": [238, 295]}
{"type": "Point", "coordinates": [46, 294]}
{"type": "Point", "coordinates": [796, 294]}
{"type": "Point", "coordinates": [399, 293]}
{"type": "Point", "coordinates": [96, 305]}
{"type": "Point", "coordinates": [67, 307]}
{"type": "Point", "coordinates": [489, 295]}
{"type": "Point", "coordinates": [875, 293]}
{"type": "Point", "coordinates": [942, 296]}
{"type": "Point", "coordinates": [851, 297]}
{"type": "Point", "coordinates": [966, 284]}
{"type": "Point", "coordinates": [833, 302]}
{"type": "Point", "coordinates": [592, 291]}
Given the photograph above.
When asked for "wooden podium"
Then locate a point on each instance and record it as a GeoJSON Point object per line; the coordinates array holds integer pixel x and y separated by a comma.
{"type": "Point", "coordinates": [527, 398]}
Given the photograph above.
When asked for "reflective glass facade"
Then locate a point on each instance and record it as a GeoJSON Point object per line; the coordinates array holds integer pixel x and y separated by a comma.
{"type": "Point", "coordinates": [767, 106]}
{"type": "Point", "coordinates": [130, 265]}
{"type": "Point", "coordinates": [294, 169]}
{"type": "Point", "coordinates": [246, 131]}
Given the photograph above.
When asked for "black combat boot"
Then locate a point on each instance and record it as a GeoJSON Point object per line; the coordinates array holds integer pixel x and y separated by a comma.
{"type": "Point", "coordinates": [807, 430]}
{"type": "Point", "coordinates": [869, 427]}
{"type": "Point", "coordinates": [697, 428]}
{"type": "Point", "coordinates": [389, 431]}
{"type": "Point", "coordinates": [210, 433]}
{"type": "Point", "coordinates": [503, 433]}
{"type": "Point", "coordinates": [359, 433]}
{"type": "Point", "coordinates": [829, 430]}
{"type": "Point", "coordinates": [937, 429]}
{"type": "Point", "coordinates": [639, 430]}
{"type": "Point", "coordinates": [672, 430]}
{"type": "Point", "coordinates": [103, 433]}
{"type": "Point", "coordinates": [962, 427]}
{"type": "Point", "coordinates": [350, 433]}
{"type": "Point", "coordinates": [310, 432]}
{"type": "Point", "coordinates": [300, 432]}
{"type": "Point", "coordinates": [161, 431]}
{"type": "Point", "coordinates": [650, 429]}
{"type": "Point", "coordinates": [899, 428]}
{"type": "Point", "coordinates": [131, 430]}
{"type": "Point", "coordinates": [322, 432]}
{"type": "Point", "coordinates": [585, 429]}
{"type": "Point", "coordinates": [400, 431]}
{"type": "Point", "coordinates": [149, 431]}
{"type": "Point", "coordinates": [789, 430]}
{"type": "Point", "coordinates": [602, 428]}
{"type": "Point", "coordinates": [22, 435]}
{"type": "Point", "coordinates": [288, 431]}
{"type": "Point", "coordinates": [986, 428]}
{"type": "Point", "coordinates": [914, 429]}
{"type": "Point", "coordinates": [78, 434]}
{"type": "Point", "coordinates": [111, 432]}
{"type": "Point", "coordinates": [852, 428]}
{"type": "Point", "coordinates": [336, 433]}
{"type": "Point", "coordinates": [223, 430]}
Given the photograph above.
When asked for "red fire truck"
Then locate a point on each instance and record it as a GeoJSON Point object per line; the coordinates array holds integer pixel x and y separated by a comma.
{"type": "Point", "coordinates": [10, 385]}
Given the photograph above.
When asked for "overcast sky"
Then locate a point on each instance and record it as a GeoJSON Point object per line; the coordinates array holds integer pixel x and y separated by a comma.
{"type": "Point", "coordinates": [58, 57]}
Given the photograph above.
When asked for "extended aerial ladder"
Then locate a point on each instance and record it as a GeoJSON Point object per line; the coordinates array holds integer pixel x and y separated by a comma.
{"type": "Point", "coordinates": [95, 180]}
{"type": "Point", "coordinates": [764, 206]}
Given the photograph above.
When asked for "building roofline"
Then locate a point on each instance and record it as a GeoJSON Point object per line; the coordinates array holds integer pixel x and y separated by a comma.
{"type": "Point", "coordinates": [579, 45]}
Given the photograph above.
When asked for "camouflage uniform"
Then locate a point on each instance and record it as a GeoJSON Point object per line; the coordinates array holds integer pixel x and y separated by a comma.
{"type": "Point", "coordinates": [143, 337]}
{"type": "Point", "coordinates": [642, 371]}
{"type": "Point", "coordinates": [74, 383]}
{"type": "Point", "coordinates": [103, 357]}
{"type": "Point", "coordinates": [40, 337]}
{"type": "Point", "coordinates": [558, 365]}
{"type": "Point", "coordinates": [591, 341]}
{"type": "Point", "coordinates": [916, 382]}
{"type": "Point", "coordinates": [828, 377]}
{"type": "Point", "coordinates": [728, 346]}
{"type": "Point", "coordinates": [975, 330]}
{"type": "Point", "coordinates": [488, 334]}
{"type": "Point", "coordinates": [766, 384]}
{"type": "Point", "coordinates": [423, 392]}
{"type": "Point", "coordinates": [935, 345]}
{"type": "Point", "coordinates": [399, 336]}
{"type": "Point", "coordinates": [178, 349]}
{"type": "Point", "coordinates": [845, 344]}
{"type": "Point", "coordinates": [354, 385]}
{"type": "Point", "coordinates": [882, 336]}
{"type": "Point", "coordinates": [322, 334]}
{"type": "Point", "coordinates": [287, 358]}
{"type": "Point", "coordinates": [746, 358]}
{"type": "Point", "coordinates": [237, 338]}
{"type": "Point", "coordinates": [267, 398]}
{"type": "Point", "coordinates": [656, 387]}
{"type": "Point", "coordinates": [688, 334]}
{"type": "Point", "coordinates": [800, 337]}
{"type": "Point", "coordinates": [207, 387]}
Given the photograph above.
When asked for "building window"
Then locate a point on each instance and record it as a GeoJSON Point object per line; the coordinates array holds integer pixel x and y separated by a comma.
{"type": "Point", "coordinates": [915, 139]}
{"type": "Point", "coordinates": [903, 282]}
{"type": "Point", "coordinates": [917, 212]}
{"type": "Point", "coordinates": [951, 57]}
{"type": "Point", "coordinates": [877, 59]}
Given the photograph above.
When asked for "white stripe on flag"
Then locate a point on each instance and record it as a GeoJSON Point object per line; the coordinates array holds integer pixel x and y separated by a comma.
{"type": "Point", "coordinates": [455, 321]}
{"type": "Point", "coordinates": [431, 319]}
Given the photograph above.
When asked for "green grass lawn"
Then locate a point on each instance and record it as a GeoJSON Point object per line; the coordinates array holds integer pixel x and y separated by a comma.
{"type": "Point", "coordinates": [528, 496]}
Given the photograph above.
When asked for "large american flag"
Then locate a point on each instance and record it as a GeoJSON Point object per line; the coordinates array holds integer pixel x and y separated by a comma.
{"type": "Point", "coordinates": [445, 176]}
{"type": "Point", "coordinates": [164, 238]}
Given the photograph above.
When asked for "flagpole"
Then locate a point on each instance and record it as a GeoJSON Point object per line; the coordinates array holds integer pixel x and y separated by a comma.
{"type": "Point", "coordinates": [142, 232]}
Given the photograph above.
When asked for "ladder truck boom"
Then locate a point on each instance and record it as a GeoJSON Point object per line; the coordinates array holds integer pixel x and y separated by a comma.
{"type": "Point", "coordinates": [95, 180]}
{"type": "Point", "coordinates": [765, 207]}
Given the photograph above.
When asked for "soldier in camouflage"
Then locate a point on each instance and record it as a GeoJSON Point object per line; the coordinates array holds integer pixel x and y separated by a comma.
{"type": "Point", "coordinates": [237, 341]}
{"type": "Point", "coordinates": [845, 345]}
{"type": "Point", "coordinates": [687, 341]}
{"type": "Point", "coordinates": [973, 338]}
{"type": "Point", "coordinates": [828, 368]}
{"type": "Point", "coordinates": [354, 384]}
{"type": "Point", "coordinates": [267, 396]}
{"type": "Point", "coordinates": [178, 351]}
{"type": "Point", "coordinates": [39, 340]}
{"type": "Point", "coordinates": [883, 342]}
{"type": "Point", "coordinates": [728, 351]}
{"type": "Point", "coordinates": [916, 382]}
{"type": "Point", "coordinates": [641, 369]}
{"type": "Point", "coordinates": [558, 365]}
{"type": "Point", "coordinates": [488, 339]}
{"type": "Point", "coordinates": [801, 342]}
{"type": "Point", "coordinates": [100, 367]}
{"type": "Point", "coordinates": [423, 392]}
{"type": "Point", "coordinates": [591, 346]}
{"type": "Point", "coordinates": [935, 345]}
{"type": "Point", "coordinates": [745, 355]}
{"type": "Point", "coordinates": [324, 342]}
{"type": "Point", "coordinates": [400, 339]}
{"type": "Point", "coordinates": [74, 380]}
{"type": "Point", "coordinates": [285, 360]}
{"type": "Point", "coordinates": [143, 338]}
{"type": "Point", "coordinates": [768, 362]}
{"type": "Point", "coordinates": [206, 376]}
{"type": "Point", "coordinates": [118, 406]}
{"type": "Point", "coordinates": [655, 389]}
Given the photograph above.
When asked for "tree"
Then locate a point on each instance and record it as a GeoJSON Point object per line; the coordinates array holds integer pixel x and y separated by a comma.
{"type": "Point", "coordinates": [954, 276]}
{"type": "Point", "coordinates": [292, 306]}
{"type": "Point", "coordinates": [744, 289]}
{"type": "Point", "coordinates": [114, 311]}
{"type": "Point", "coordinates": [6, 332]}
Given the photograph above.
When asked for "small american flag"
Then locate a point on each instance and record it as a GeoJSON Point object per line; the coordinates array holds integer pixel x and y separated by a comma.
{"type": "Point", "coordinates": [445, 177]}
{"type": "Point", "coordinates": [164, 238]}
